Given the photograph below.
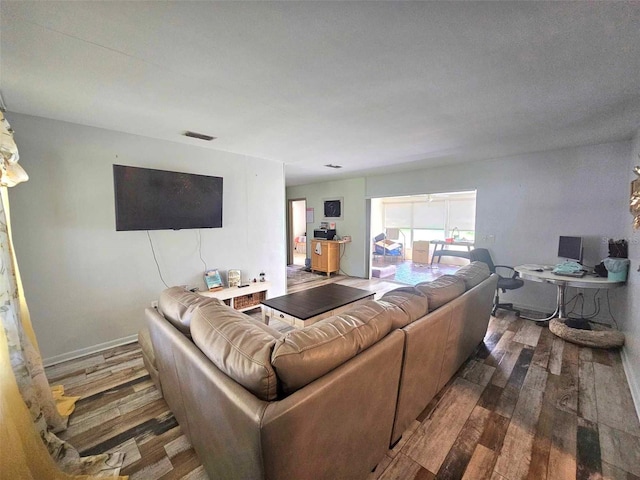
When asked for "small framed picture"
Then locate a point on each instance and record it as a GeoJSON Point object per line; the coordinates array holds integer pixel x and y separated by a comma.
{"type": "Point", "coordinates": [333, 208]}
{"type": "Point", "coordinates": [213, 280]}
{"type": "Point", "coordinates": [234, 278]}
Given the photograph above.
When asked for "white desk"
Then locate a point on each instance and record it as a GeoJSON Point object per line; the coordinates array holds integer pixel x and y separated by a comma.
{"type": "Point", "coordinates": [562, 283]}
{"type": "Point", "coordinates": [445, 252]}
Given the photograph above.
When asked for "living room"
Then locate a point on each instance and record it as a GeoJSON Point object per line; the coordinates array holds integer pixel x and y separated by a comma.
{"type": "Point", "coordinates": [87, 284]}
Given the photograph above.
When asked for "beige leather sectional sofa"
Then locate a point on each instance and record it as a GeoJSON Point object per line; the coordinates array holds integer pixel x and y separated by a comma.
{"type": "Point", "coordinates": [323, 402]}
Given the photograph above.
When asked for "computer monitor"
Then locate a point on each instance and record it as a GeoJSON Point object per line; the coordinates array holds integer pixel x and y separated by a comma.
{"type": "Point", "coordinates": [570, 248]}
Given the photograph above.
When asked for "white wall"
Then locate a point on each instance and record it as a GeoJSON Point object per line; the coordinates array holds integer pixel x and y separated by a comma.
{"type": "Point", "coordinates": [630, 323]}
{"type": "Point", "coordinates": [353, 219]}
{"type": "Point", "coordinates": [87, 284]}
{"type": "Point", "coordinates": [527, 201]}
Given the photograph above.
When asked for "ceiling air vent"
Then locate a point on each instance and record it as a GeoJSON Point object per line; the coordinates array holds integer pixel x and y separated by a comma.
{"type": "Point", "coordinates": [200, 136]}
{"type": "Point", "coordinates": [331, 165]}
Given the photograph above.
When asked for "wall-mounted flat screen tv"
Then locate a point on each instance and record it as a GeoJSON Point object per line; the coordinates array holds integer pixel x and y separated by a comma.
{"type": "Point", "coordinates": [148, 199]}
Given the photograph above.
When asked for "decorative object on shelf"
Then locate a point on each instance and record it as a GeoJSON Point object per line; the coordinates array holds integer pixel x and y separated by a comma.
{"type": "Point", "coordinates": [234, 278]}
{"type": "Point", "coordinates": [634, 200]}
{"type": "Point", "coordinates": [262, 277]}
{"type": "Point", "coordinates": [333, 207]}
{"type": "Point", "coordinates": [213, 280]}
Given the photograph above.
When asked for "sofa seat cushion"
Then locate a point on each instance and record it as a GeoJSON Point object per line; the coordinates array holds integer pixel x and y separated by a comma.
{"type": "Point", "coordinates": [442, 290]}
{"type": "Point", "coordinates": [239, 346]}
{"type": "Point", "coordinates": [411, 301]}
{"type": "Point", "coordinates": [177, 305]}
{"type": "Point", "coordinates": [473, 274]}
{"type": "Point", "coordinates": [301, 356]}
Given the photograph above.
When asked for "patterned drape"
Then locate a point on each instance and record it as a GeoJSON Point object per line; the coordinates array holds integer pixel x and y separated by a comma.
{"type": "Point", "coordinates": [21, 366]}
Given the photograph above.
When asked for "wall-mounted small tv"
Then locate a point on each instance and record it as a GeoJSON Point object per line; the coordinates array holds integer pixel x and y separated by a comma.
{"type": "Point", "coordinates": [148, 199]}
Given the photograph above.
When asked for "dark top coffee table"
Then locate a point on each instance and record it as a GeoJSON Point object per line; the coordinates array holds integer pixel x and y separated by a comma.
{"type": "Point", "coordinates": [306, 307]}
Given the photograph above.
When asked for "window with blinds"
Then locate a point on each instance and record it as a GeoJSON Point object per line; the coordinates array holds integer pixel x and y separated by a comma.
{"type": "Point", "coordinates": [432, 217]}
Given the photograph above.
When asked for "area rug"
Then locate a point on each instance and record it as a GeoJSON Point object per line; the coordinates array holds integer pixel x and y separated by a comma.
{"type": "Point", "coordinates": [296, 274]}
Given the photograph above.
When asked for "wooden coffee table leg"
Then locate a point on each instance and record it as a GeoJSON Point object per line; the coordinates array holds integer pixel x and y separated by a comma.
{"type": "Point", "coordinates": [265, 314]}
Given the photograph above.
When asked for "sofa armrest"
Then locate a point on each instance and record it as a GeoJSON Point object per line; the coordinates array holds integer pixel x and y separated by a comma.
{"type": "Point", "coordinates": [220, 418]}
{"type": "Point", "coordinates": [339, 425]}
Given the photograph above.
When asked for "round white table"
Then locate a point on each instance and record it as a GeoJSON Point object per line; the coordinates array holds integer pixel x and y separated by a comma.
{"type": "Point", "coordinates": [561, 282]}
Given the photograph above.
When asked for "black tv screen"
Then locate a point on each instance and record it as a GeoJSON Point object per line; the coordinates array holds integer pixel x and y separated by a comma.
{"type": "Point", "coordinates": [570, 248]}
{"type": "Point", "coordinates": [148, 199]}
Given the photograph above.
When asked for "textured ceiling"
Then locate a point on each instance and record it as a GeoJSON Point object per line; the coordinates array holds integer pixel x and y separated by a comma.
{"type": "Point", "coordinates": [371, 86]}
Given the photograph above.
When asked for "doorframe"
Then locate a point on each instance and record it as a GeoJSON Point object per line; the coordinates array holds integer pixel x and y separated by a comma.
{"type": "Point", "coordinates": [290, 245]}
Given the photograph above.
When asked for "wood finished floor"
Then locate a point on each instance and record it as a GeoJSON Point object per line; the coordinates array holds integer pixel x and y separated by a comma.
{"type": "Point", "coordinates": [527, 405]}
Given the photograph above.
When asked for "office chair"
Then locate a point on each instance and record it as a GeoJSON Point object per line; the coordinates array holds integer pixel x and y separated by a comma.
{"type": "Point", "coordinates": [504, 283]}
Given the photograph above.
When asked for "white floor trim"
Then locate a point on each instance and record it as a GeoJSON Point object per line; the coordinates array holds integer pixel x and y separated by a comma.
{"type": "Point", "coordinates": [631, 380]}
{"type": "Point", "coordinates": [89, 350]}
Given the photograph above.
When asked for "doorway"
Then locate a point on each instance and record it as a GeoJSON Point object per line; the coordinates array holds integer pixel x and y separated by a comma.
{"type": "Point", "coordinates": [405, 230]}
{"type": "Point", "coordinates": [297, 232]}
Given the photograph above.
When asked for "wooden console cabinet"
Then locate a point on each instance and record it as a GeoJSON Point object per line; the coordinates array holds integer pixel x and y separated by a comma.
{"type": "Point", "coordinates": [245, 298]}
{"type": "Point", "coordinates": [328, 261]}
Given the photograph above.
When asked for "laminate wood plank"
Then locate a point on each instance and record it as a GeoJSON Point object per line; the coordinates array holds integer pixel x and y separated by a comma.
{"type": "Point", "coordinates": [614, 402]}
{"type": "Point", "coordinates": [609, 472]}
{"type": "Point", "coordinates": [515, 456]}
{"type": "Point", "coordinates": [406, 436]}
{"type": "Point", "coordinates": [150, 467]}
{"type": "Point", "coordinates": [516, 324]}
{"type": "Point", "coordinates": [500, 349]}
{"type": "Point", "coordinates": [585, 354]}
{"type": "Point", "coordinates": [111, 428]}
{"type": "Point", "coordinates": [105, 397]}
{"type": "Point", "coordinates": [404, 468]}
{"type": "Point", "coordinates": [432, 441]}
{"type": "Point", "coordinates": [506, 365]}
{"type": "Point", "coordinates": [555, 357]}
{"type": "Point", "coordinates": [620, 449]}
{"type": "Point", "coordinates": [477, 372]}
{"type": "Point", "coordinates": [456, 461]}
{"type": "Point", "coordinates": [197, 474]}
{"type": "Point", "coordinates": [542, 352]}
{"type": "Point", "coordinates": [111, 381]}
{"type": "Point", "coordinates": [480, 466]}
{"type": "Point", "coordinates": [570, 353]}
{"type": "Point", "coordinates": [563, 389]}
{"type": "Point", "coordinates": [381, 467]}
{"type": "Point", "coordinates": [562, 451]}
{"type": "Point", "coordinates": [542, 443]}
{"type": "Point", "coordinates": [174, 447]}
{"type": "Point", "coordinates": [56, 373]}
{"type": "Point", "coordinates": [528, 334]}
{"type": "Point", "coordinates": [499, 324]}
{"type": "Point", "coordinates": [521, 368]}
{"type": "Point", "coordinates": [587, 407]}
{"type": "Point", "coordinates": [490, 397]}
{"type": "Point", "coordinates": [536, 378]}
{"type": "Point", "coordinates": [507, 401]}
{"type": "Point", "coordinates": [494, 432]}
{"type": "Point", "coordinates": [601, 356]}
{"type": "Point", "coordinates": [130, 450]}
{"type": "Point", "coordinates": [589, 465]}
{"type": "Point", "coordinates": [183, 463]}
{"type": "Point", "coordinates": [122, 404]}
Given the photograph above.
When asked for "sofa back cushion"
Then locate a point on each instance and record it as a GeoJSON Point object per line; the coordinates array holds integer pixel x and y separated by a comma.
{"type": "Point", "coordinates": [303, 355]}
{"type": "Point", "coordinates": [473, 274]}
{"type": "Point", "coordinates": [177, 305]}
{"type": "Point", "coordinates": [441, 290]}
{"type": "Point", "coordinates": [238, 346]}
{"type": "Point", "coordinates": [411, 301]}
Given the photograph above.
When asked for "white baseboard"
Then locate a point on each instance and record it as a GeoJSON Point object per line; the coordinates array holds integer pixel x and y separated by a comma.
{"type": "Point", "coordinates": [47, 362]}
{"type": "Point", "coordinates": [631, 380]}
